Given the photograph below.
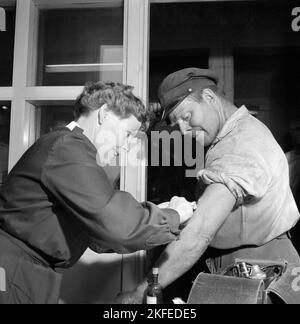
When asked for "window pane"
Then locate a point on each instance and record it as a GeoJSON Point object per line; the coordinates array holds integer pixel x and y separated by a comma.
{"type": "Point", "coordinates": [4, 139]}
{"type": "Point", "coordinates": [172, 50]}
{"type": "Point", "coordinates": [53, 117]}
{"type": "Point", "coordinates": [49, 118]}
{"type": "Point", "coordinates": [7, 49]}
{"type": "Point", "coordinates": [79, 45]}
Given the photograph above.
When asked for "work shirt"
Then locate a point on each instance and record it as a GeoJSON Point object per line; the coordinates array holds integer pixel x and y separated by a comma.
{"type": "Point", "coordinates": [246, 158]}
{"type": "Point", "coordinates": [58, 201]}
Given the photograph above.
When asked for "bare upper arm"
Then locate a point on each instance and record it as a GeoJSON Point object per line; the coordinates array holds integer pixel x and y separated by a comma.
{"type": "Point", "coordinates": [213, 208]}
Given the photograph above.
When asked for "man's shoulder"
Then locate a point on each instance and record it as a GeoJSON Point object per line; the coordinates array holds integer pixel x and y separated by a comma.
{"type": "Point", "coordinates": [251, 123]}
{"type": "Point", "coordinates": [250, 131]}
{"type": "Point", "coordinates": [249, 137]}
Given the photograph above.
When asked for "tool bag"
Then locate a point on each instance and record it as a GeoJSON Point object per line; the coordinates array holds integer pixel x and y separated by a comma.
{"type": "Point", "coordinates": [280, 283]}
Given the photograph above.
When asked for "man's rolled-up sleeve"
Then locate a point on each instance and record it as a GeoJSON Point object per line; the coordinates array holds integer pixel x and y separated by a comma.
{"type": "Point", "coordinates": [113, 219]}
{"type": "Point", "coordinates": [246, 177]}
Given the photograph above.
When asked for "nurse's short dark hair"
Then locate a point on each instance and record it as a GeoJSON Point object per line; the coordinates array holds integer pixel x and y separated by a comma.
{"type": "Point", "coordinates": [118, 97]}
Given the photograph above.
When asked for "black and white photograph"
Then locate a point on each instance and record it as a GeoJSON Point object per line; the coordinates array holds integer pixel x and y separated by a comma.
{"type": "Point", "coordinates": [149, 154]}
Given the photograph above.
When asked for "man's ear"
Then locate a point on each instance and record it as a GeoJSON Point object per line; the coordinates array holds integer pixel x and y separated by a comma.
{"type": "Point", "coordinates": [208, 96]}
{"type": "Point", "coordinates": [102, 114]}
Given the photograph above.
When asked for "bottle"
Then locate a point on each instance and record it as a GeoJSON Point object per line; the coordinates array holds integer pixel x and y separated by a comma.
{"type": "Point", "coordinates": [154, 290]}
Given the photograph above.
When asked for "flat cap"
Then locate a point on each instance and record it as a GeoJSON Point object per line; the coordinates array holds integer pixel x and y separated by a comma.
{"type": "Point", "coordinates": [179, 85]}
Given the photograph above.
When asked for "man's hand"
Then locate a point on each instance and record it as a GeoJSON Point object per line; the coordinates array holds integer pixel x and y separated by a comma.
{"type": "Point", "coordinates": [184, 208]}
{"type": "Point", "coordinates": [131, 297]}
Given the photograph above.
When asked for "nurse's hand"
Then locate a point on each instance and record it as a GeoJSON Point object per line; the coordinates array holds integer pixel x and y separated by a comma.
{"type": "Point", "coordinates": [184, 208]}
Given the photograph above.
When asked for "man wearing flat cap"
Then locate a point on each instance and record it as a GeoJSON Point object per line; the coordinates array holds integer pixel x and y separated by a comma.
{"type": "Point", "coordinates": [247, 208]}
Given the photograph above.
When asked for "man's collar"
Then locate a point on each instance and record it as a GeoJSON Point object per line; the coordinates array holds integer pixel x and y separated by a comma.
{"type": "Point", "coordinates": [231, 123]}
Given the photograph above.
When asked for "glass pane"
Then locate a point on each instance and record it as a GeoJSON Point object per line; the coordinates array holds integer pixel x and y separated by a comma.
{"type": "Point", "coordinates": [53, 117]}
{"type": "Point", "coordinates": [49, 118]}
{"type": "Point", "coordinates": [7, 48]}
{"type": "Point", "coordinates": [163, 62]}
{"type": "Point", "coordinates": [79, 45]}
{"type": "Point", "coordinates": [171, 50]}
{"type": "Point", "coordinates": [4, 139]}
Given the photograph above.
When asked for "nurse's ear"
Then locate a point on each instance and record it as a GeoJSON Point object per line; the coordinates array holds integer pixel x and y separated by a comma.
{"type": "Point", "coordinates": [102, 114]}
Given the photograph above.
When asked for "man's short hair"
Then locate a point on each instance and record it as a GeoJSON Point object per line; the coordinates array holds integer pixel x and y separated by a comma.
{"type": "Point", "coordinates": [118, 98]}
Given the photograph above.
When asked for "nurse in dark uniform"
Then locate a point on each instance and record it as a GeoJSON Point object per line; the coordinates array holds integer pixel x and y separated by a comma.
{"type": "Point", "coordinates": [57, 200]}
